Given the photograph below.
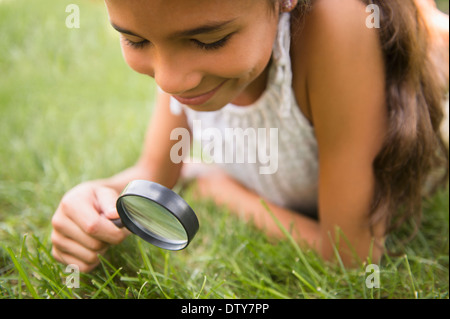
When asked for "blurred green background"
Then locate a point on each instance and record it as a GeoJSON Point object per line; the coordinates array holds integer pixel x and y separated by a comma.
{"type": "Point", "coordinates": [70, 108]}
{"type": "Point", "coordinates": [443, 5]}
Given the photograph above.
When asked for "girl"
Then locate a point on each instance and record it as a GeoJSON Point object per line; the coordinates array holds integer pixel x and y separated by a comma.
{"type": "Point", "coordinates": [357, 109]}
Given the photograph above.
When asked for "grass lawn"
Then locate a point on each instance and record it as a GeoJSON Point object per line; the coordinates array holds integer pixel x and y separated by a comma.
{"type": "Point", "coordinates": [71, 111]}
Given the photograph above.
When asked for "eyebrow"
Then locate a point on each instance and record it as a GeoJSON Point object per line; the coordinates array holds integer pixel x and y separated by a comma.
{"type": "Point", "coordinates": [204, 29]}
{"type": "Point", "coordinates": [125, 31]}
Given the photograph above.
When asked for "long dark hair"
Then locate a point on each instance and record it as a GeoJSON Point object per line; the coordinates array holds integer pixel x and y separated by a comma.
{"type": "Point", "coordinates": [414, 154]}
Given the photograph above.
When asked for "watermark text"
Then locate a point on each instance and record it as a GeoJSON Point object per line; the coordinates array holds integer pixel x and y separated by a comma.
{"type": "Point", "coordinates": [73, 279]}
{"type": "Point", "coordinates": [373, 20]}
{"type": "Point", "coordinates": [230, 145]}
{"type": "Point", "coordinates": [73, 19]}
{"type": "Point", "coordinates": [373, 277]}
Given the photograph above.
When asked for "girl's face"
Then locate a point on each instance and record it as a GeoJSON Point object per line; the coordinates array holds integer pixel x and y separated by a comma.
{"type": "Point", "coordinates": [205, 53]}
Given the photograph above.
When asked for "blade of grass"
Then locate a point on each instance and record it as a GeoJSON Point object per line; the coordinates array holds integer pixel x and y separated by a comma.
{"type": "Point", "coordinates": [100, 289]}
{"type": "Point", "coordinates": [341, 264]}
{"type": "Point", "coordinates": [415, 293]}
{"type": "Point", "coordinates": [306, 283]}
{"type": "Point", "coordinates": [315, 276]}
{"type": "Point", "coordinates": [140, 290]}
{"type": "Point", "coordinates": [44, 272]}
{"type": "Point", "coordinates": [22, 273]}
{"type": "Point", "coordinates": [105, 262]}
{"type": "Point", "coordinates": [166, 266]}
{"type": "Point", "coordinates": [201, 289]}
{"type": "Point", "coordinates": [302, 280]}
{"type": "Point", "coordinates": [149, 266]}
{"type": "Point", "coordinates": [211, 290]}
{"type": "Point", "coordinates": [267, 289]}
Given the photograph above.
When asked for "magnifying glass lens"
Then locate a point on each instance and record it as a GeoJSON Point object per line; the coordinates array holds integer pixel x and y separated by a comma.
{"type": "Point", "coordinates": [156, 214]}
{"type": "Point", "coordinates": [155, 220]}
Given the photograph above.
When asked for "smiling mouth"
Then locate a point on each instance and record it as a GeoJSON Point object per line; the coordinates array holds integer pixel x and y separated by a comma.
{"type": "Point", "coordinates": [198, 99]}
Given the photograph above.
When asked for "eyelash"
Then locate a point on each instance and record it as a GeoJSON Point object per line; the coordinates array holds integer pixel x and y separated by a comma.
{"type": "Point", "coordinates": [212, 46]}
{"type": "Point", "coordinates": [204, 46]}
{"type": "Point", "coordinates": [136, 45]}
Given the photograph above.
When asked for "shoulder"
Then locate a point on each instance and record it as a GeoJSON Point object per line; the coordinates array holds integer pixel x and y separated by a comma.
{"type": "Point", "coordinates": [338, 65]}
{"type": "Point", "coordinates": [334, 52]}
{"type": "Point", "coordinates": [336, 30]}
{"type": "Point", "coordinates": [339, 18]}
{"type": "Point", "coordinates": [330, 28]}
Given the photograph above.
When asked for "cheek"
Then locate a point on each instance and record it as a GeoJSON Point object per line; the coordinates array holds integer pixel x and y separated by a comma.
{"type": "Point", "coordinates": [242, 61]}
{"type": "Point", "coordinates": [137, 60]}
{"type": "Point", "coordinates": [238, 58]}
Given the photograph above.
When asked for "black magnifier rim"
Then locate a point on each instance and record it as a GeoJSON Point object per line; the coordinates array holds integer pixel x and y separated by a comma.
{"type": "Point", "coordinates": [166, 198]}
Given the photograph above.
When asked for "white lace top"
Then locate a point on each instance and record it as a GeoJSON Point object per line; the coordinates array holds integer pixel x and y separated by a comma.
{"type": "Point", "coordinates": [293, 180]}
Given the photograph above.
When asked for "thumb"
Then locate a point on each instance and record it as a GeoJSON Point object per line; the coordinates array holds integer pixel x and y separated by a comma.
{"type": "Point", "coordinates": [106, 200]}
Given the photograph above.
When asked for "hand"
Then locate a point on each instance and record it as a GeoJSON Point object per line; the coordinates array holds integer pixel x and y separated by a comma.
{"type": "Point", "coordinates": [81, 226]}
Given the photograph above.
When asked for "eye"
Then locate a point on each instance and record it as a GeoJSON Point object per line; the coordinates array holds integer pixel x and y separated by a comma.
{"type": "Point", "coordinates": [136, 45]}
{"type": "Point", "coordinates": [214, 45]}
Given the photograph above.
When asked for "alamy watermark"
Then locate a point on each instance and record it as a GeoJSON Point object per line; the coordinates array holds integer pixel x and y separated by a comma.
{"type": "Point", "coordinates": [373, 20]}
{"type": "Point", "coordinates": [373, 276]}
{"type": "Point", "coordinates": [231, 145]}
{"type": "Point", "coordinates": [73, 19]}
{"type": "Point", "coordinates": [73, 277]}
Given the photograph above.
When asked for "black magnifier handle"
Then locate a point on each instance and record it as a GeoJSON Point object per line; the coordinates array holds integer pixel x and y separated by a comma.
{"type": "Point", "coordinates": [117, 222]}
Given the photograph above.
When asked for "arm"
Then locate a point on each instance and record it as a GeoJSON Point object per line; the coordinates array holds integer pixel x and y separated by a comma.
{"type": "Point", "coordinates": [81, 229]}
{"type": "Point", "coordinates": [248, 206]}
{"type": "Point", "coordinates": [346, 87]}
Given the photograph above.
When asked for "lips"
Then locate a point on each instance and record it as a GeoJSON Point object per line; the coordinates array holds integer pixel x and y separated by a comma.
{"type": "Point", "coordinates": [198, 99]}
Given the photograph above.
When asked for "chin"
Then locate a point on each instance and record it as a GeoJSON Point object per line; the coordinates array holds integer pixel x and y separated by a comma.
{"type": "Point", "coordinates": [206, 107]}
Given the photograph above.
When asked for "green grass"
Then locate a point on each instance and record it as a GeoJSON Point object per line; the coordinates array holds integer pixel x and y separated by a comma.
{"type": "Point", "coordinates": [443, 5]}
{"type": "Point", "coordinates": [70, 111]}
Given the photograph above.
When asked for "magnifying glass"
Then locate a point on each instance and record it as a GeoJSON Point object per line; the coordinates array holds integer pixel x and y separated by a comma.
{"type": "Point", "coordinates": [156, 214]}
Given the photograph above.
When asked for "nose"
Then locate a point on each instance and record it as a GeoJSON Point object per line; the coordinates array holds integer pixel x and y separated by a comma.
{"type": "Point", "coordinates": [175, 73]}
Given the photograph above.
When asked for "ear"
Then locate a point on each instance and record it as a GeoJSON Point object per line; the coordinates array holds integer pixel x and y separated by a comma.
{"type": "Point", "coordinates": [288, 5]}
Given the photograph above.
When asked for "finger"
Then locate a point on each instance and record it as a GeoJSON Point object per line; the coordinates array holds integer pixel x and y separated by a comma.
{"type": "Point", "coordinates": [94, 224]}
{"type": "Point", "coordinates": [71, 260]}
{"type": "Point", "coordinates": [106, 201]}
{"type": "Point", "coordinates": [72, 248]}
{"type": "Point", "coordinates": [66, 227]}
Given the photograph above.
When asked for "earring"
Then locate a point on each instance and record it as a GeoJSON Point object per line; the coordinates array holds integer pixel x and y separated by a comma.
{"type": "Point", "coordinates": [288, 5]}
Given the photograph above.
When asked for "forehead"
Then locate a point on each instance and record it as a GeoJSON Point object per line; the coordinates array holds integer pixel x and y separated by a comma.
{"type": "Point", "coordinates": [170, 16]}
